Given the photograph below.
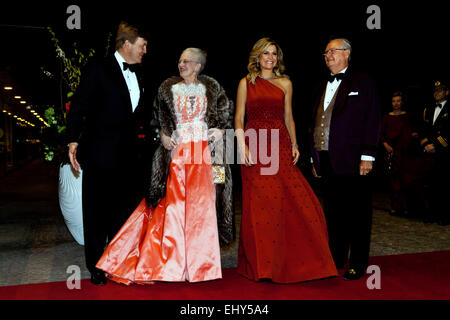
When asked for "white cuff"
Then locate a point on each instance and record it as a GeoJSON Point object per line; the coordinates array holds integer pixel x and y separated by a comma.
{"type": "Point", "coordinates": [367, 158]}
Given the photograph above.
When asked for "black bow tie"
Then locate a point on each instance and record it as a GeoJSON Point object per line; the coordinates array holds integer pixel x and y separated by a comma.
{"type": "Point", "coordinates": [439, 105]}
{"type": "Point", "coordinates": [338, 76]}
{"type": "Point", "coordinates": [132, 67]}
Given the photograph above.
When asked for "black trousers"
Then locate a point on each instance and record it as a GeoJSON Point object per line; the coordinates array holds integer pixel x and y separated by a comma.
{"type": "Point", "coordinates": [348, 211]}
{"type": "Point", "coordinates": [437, 189]}
{"type": "Point", "coordinates": [109, 197]}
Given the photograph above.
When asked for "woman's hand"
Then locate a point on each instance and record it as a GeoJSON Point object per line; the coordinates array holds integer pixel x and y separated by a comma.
{"type": "Point", "coordinates": [295, 154]}
{"type": "Point", "coordinates": [246, 157]}
{"type": "Point", "coordinates": [388, 148]}
{"type": "Point", "coordinates": [167, 141]}
{"type": "Point", "coordinates": [215, 134]}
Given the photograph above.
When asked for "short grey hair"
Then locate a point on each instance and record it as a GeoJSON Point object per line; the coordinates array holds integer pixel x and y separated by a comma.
{"type": "Point", "coordinates": [200, 54]}
{"type": "Point", "coordinates": [346, 45]}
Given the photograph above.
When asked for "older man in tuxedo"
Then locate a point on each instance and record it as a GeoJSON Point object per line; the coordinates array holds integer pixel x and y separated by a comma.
{"type": "Point", "coordinates": [106, 125]}
{"type": "Point", "coordinates": [344, 137]}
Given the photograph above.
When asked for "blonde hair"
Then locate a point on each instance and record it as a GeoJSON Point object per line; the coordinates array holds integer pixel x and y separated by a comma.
{"type": "Point", "coordinates": [253, 62]}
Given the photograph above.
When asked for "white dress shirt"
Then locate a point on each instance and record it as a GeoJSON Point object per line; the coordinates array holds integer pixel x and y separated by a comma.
{"type": "Point", "coordinates": [437, 110]}
{"type": "Point", "coordinates": [331, 89]}
{"type": "Point", "coordinates": [131, 80]}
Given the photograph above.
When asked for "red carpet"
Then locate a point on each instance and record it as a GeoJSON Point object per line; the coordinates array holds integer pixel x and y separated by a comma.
{"type": "Point", "coordinates": [423, 276]}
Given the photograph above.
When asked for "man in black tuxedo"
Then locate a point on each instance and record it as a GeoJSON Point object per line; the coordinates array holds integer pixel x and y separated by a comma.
{"type": "Point", "coordinates": [434, 141]}
{"type": "Point", "coordinates": [107, 127]}
{"type": "Point", "coordinates": [344, 138]}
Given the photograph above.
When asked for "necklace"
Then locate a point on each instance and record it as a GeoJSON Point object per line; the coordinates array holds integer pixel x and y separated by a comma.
{"type": "Point", "coordinates": [269, 78]}
{"type": "Point", "coordinates": [190, 94]}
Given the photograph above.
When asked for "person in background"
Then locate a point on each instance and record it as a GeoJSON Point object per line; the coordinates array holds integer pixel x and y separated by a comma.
{"type": "Point", "coordinates": [434, 139]}
{"type": "Point", "coordinates": [396, 137]}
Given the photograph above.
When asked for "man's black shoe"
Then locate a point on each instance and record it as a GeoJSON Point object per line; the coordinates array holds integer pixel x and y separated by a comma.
{"type": "Point", "coordinates": [352, 274]}
{"type": "Point", "coordinates": [429, 220]}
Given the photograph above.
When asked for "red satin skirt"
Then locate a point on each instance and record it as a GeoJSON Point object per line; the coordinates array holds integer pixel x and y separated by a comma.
{"type": "Point", "coordinates": [178, 240]}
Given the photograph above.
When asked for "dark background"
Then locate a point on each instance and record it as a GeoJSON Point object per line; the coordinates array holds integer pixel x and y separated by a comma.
{"type": "Point", "coordinates": [407, 53]}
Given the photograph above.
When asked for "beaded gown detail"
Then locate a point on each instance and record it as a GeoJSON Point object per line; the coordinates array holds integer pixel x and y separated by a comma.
{"type": "Point", "coordinates": [283, 234]}
{"type": "Point", "coordinates": [178, 240]}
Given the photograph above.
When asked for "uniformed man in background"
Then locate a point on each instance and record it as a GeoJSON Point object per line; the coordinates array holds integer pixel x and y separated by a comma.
{"type": "Point", "coordinates": [434, 140]}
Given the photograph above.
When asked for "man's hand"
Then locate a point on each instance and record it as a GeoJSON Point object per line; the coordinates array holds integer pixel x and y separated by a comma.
{"type": "Point", "coordinates": [430, 148]}
{"type": "Point", "coordinates": [73, 156]}
{"type": "Point", "coordinates": [365, 167]}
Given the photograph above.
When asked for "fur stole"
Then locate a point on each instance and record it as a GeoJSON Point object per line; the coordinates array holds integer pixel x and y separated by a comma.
{"type": "Point", "coordinates": [219, 114]}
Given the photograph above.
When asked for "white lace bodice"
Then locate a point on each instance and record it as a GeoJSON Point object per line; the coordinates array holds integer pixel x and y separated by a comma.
{"type": "Point", "coordinates": [190, 105]}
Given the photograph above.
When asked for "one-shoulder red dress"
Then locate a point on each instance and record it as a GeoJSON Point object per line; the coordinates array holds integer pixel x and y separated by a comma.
{"type": "Point", "coordinates": [283, 234]}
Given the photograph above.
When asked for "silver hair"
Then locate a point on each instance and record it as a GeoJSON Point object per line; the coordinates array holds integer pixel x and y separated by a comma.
{"type": "Point", "coordinates": [346, 45]}
{"type": "Point", "coordinates": [200, 54]}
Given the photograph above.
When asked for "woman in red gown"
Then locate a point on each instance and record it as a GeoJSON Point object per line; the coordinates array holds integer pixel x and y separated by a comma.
{"type": "Point", "coordinates": [283, 233]}
{"type": "Point", "coordinates": [396, 137]}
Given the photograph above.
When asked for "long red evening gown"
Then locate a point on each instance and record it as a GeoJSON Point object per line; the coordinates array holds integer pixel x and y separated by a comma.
{"type": "Point", "coordinates": [283, 234]}
{"type": "Point", "coordinates": [178, 240]}
{"type": "Point", "coordinates": [396, 131]}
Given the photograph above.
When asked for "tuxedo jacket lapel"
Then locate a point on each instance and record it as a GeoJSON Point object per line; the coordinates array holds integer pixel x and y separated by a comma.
{"type": "Point", "coordinates": [120, 81]}
{"type": "Point", "coordinates": [441, 114]}
{"type": "Point", "coordinates": [343, 91]}
{"type": "Point", "coordinates": [140, 80]}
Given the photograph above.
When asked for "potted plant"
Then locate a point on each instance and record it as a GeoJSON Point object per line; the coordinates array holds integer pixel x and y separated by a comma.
{"type": "Point", "coordinates": [54, 144]}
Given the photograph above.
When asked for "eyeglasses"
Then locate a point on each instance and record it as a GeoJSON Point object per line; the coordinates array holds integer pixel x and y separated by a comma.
{"type": "Point", "coordinates": [184, 61]}
{"type": "Point", "coordinates": [332, 51]}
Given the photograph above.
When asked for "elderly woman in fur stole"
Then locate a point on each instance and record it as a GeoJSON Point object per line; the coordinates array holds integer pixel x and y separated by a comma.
{"type": "Point", "coordinates": [175, 234]}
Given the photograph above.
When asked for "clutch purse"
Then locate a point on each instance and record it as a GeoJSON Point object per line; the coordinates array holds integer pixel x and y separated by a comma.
{"type": "Point", "coordinates": [218, 173]}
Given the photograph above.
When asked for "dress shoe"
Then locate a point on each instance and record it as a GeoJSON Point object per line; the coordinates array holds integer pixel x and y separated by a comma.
{"type": "Point", "coordinates": [429, 220]}
{"type": "Point", "coordinates": [395, 213]}
{"type": "Point", "coordinates": [352, 274]}
{"type": "Point", "coordinates": [98, 278]}
{"type": "Point", "coordinates": [398, 212]}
